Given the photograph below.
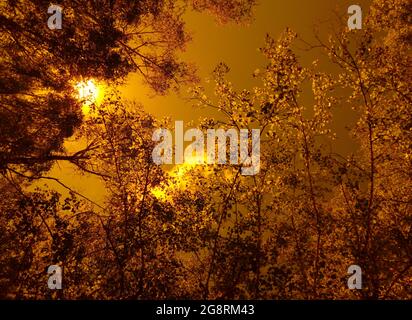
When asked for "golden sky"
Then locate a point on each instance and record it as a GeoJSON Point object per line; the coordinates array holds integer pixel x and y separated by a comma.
{"type": "Point", "coordinates": [237, 46]}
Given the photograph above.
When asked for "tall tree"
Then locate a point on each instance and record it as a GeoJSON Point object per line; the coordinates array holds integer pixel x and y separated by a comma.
{"type": "Point", "coordinates": [311, 213]}
{"type": "Point", "coordinates": [103, 40]}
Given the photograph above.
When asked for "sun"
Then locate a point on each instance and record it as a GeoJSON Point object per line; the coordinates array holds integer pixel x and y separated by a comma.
{"type": "Point", "coordinates": [89, 93]}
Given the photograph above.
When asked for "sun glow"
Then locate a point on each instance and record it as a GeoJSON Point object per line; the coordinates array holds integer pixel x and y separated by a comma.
{"type": "Point", "coordinates": [89, 93]}
{"type": "Point", "coordinates": [179, 175]}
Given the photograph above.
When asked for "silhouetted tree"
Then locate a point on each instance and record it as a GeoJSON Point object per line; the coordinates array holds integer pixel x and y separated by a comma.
{"type": "Point", "coordinates": [103, 40]}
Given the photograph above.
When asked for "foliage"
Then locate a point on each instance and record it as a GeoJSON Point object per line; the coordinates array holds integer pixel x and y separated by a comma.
{"type": "Point", "coordinates": [206, 231]}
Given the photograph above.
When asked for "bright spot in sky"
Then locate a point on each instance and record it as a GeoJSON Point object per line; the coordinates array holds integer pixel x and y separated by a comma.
{"type": "Point", "coordinates": [89, 93]}
{"type": "Point", "coordinates": [179, 176]}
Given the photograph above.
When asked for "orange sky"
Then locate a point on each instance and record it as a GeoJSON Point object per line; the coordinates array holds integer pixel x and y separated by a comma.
{"type": "Point", "coordinates": [237, 46]}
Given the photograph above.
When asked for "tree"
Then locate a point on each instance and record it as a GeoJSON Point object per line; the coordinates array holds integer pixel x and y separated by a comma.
{"type": "Point", "coordinates": [374, 184]}
{"type": "Point", "coordinates": [39, 229]}
{"type": "Point", "coordinates": [311, 213]}
{"type": "Point", "coordinates": [103, 40]}
{"type": "Point", "coordinates": [193, 231]}
{"type": "Point", "coordinates": [285, 196]}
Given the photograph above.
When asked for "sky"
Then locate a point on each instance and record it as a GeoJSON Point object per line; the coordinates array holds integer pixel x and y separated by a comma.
{"type": "Point", "coordinates": [237, 46]}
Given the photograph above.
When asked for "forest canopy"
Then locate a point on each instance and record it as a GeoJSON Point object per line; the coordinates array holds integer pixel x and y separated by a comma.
{"type": "Point", "coordinates": [204, 231]}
